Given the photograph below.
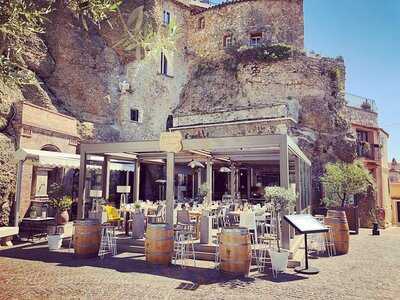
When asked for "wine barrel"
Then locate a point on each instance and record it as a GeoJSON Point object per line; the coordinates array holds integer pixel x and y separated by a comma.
{"type": "Point", "coordinates": [338, 222]}
{"type": "Point", "coordinates": [159, 245]}
{"type": "Point", "coordinates": [86, 238]}
{"type": "Point", "coordinates": [235, 250]}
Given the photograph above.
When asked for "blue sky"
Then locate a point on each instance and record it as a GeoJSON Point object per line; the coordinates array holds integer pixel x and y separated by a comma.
{"type": "Point", "coordinates": [367, 34]}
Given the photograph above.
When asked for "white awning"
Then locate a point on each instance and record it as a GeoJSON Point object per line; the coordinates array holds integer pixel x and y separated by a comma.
{"type": "Point", "coordinates": [66, 160]}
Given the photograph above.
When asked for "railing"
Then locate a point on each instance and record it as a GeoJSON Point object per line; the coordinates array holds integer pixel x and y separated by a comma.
{"type": "Point", "coordinates": [361, 102]}
{"type": "Point", "coordinates": [367, 150]}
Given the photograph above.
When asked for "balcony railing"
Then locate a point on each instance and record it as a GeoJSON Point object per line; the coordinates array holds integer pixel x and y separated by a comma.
{"type": "Point", "coordinates": [367, 150]}
{"type": "Point", "coordinates": [361, 102]}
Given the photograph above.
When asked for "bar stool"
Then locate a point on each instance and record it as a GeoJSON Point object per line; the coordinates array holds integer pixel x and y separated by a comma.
{"type": "Point", "coordinates": [330, 242]}
{"type": "Point", "coordinates": [184, 247]}
{"type": "Point", "coordinates": [108, 243]}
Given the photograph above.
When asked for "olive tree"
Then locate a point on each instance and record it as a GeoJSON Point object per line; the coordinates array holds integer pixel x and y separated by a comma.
{"type": "Point", "coordinates": [343, 180]}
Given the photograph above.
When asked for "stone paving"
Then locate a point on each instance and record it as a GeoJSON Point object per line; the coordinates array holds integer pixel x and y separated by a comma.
{"type": "Point", "coordinates": [369, 271]}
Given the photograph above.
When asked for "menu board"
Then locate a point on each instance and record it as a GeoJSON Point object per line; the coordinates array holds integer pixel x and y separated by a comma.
{"type": "Point", "coordinates": [306, 223]}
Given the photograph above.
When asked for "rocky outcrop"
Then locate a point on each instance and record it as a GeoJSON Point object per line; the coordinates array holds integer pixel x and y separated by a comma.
{"type": "Point", "coordinates": [315, 84]}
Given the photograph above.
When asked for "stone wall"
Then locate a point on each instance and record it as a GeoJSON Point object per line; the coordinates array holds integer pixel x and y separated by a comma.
{"type": "Point", "coordinates": [155, 95]}
{"type": "Point", "coordinates": [362, 117]}
{"type": "Point", "coordinates": [314, 85]}
{"type": "Point", "coordinates": [279, 21]}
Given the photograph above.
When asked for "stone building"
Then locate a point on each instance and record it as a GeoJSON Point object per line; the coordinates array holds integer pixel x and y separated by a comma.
{"type": "Point", "coordinates": [372, 150]}
{"type": "Point", "coordinates": [238, 68]}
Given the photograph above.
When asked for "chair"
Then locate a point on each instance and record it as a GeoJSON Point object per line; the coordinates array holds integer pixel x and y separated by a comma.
{"type": "Point", "coordinates": [108, 243]}
{"type": "Point", "coordinates": [184, 222]}
{"type": "Point", "coordinates": [184, 247]}
{"type": "Point", "coordinates": [330, 242]}
{"type": "Point", "coordinates": [113, 216]}
{"type": "Point", "coordinates": [248, 220]}
{"type": "Point", "coordinates": [158, 217]}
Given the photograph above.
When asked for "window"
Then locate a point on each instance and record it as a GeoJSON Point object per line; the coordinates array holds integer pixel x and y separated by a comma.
{"type": "Point", "coordinates": [362, 136]}
{"type": "Point", "coordinates": [163, 64]}
{"type": "Point", "coordinates": [202, 23]}
{"type": "Point", "coordinates": [255, 39]}
{"type": "Point", "coordinates": [166, 17]}
{"type": "Point", "coordinates": [135, 115]}
{"type": "Point", "coordinates": [228, 41]}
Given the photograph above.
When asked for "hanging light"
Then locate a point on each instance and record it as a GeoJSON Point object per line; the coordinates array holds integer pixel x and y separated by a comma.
{"type": "Point", "coordinates": [195, 164]}
{"type": "Point", "coordinates": [225, 170]}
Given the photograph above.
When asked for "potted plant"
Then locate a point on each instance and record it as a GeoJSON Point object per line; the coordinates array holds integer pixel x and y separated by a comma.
{"type": "Point", "coordinates": [341, 182]}
{"type": "Point", "coordinates": [281, 200]}
{"type": "Point", "coordinates": [203, 191]}
{"type": "Point", "coordinates": [60, 202]}
{"type": "Point", "coordinates": [374, 212]}
{"type": "Point", "coordinates": [137, 207]}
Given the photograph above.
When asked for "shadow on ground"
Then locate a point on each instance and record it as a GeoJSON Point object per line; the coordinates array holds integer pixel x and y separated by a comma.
{"type": "Point", "coordinates": [127, 262]}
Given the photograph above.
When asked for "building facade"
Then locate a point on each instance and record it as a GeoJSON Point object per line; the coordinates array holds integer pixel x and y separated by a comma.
{"type": "Point", "coordinates": [371, 149]}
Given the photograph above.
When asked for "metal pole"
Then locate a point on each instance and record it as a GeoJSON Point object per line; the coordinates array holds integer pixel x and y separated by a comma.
{"type": "Point", "coordinates": [18, 192]}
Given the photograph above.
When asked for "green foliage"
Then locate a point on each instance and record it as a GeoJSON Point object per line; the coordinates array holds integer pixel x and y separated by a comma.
{"type": "Point", "coordinates": [94, 10]}
{"type": "Point", "coordinates": [281, 199]}
{"type": "Point", "coordinates": [151, 36]}
{"type": "Point", "coordinates": [19, 21]}
{"type": "Point", "coordinates": [342, 180]}
{"type": "Point", "coordinates": [269, 53]}
{"type": "Point", "coordinates": [61, 204]}
{"type": "Point", "coordinates": [57, 197]}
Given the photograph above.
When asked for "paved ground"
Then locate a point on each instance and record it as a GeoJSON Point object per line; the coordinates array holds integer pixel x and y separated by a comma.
{"type": "Point", "coordinates": [369, 271]}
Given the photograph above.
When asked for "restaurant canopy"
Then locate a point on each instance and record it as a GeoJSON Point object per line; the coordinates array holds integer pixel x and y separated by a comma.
{"type": "Point", "coordinates": [52, 159]}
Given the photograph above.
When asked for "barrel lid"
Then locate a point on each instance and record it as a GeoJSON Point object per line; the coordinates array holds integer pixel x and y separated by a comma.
{"type": "Point", "coordinates": [159, 225]}
{"type": "Point", "coordinates": [87, 222]}
{"type": "Point", "coordinates": [236, 230]}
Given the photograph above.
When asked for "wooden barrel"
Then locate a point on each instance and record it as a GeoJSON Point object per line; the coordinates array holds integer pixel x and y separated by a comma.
{"type": "Point", "coordinates": [338, 222]}
{"type": "Point", "coordinates": [159, 245]}
{"type": "Point", "coordinates": [86, 239]}
{"type": "Point", "coordinates": [235, 250]}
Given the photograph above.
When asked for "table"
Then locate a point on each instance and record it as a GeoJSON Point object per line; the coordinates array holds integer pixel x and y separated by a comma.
{"type": "Point", "coordinates": [36, 227]}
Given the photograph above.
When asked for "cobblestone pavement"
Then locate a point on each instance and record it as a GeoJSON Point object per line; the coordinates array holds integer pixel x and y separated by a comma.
{"type": "Point", "coordinates": [369, 271]}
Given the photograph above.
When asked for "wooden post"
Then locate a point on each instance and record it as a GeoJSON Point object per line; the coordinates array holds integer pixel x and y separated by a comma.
{"type": "Point", "coordinates": [105, 178]}
{"type": "Point", "coordinates": [136, 183]}
{"type": "Point", "coordinates": [170, 194]}
{"type": "Point", "coordinates": [209, 181]}
{"type": "Point", "coordinates": [233, 174]}
{"type": "Point", "coordinates": [18, 192]}
{"type": "Point", "coordinates": [284, 180]}
{"type": "Point", "coordinates": [82, 187]}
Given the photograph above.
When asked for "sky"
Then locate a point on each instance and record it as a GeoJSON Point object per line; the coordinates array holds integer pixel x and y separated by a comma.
{"type": "Point", "coordinates": [367, 34]}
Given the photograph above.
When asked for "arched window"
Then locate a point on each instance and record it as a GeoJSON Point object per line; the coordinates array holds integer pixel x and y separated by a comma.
{"type": "Point", "coordinates": [51, 148]}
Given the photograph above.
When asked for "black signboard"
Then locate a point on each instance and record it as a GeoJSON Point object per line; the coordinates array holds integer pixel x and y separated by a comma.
{"type": "Point", "coordinates": [306, 224]}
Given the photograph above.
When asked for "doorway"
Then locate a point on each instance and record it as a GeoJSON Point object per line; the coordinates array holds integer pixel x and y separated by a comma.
{"type": "Point", "coordinates": [398, 212]}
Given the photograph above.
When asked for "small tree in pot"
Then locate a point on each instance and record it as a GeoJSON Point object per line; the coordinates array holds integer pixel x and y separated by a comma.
{"type": "Point", "coordinates": [281, 200]}
{"type": "Point", "coordinates": [342, 181]}
{"type": "Point", "coordinates": [60, 202]}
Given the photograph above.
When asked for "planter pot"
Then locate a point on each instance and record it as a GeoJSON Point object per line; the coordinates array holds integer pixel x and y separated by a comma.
{"type": "Point", "coordinates": [279, 260]}
{"type": "Point", "coordinates": [62, 217]}
{"type": "Point", "coordinates": [375, 229]}
{"type": "Point", "coordinates": [54, 241]}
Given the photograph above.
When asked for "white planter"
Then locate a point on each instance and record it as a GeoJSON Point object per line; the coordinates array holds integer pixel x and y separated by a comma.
{"type": "Point", "coordinates": [54, 241]}
{"type": "Point", "coordinates": [279, 260]}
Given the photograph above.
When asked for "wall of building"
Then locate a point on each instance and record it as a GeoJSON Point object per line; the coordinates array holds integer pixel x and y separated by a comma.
{"type": "Point", "coordinates": [153, 94]}
{"type": "Point", "coordinates": [279, 21]}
